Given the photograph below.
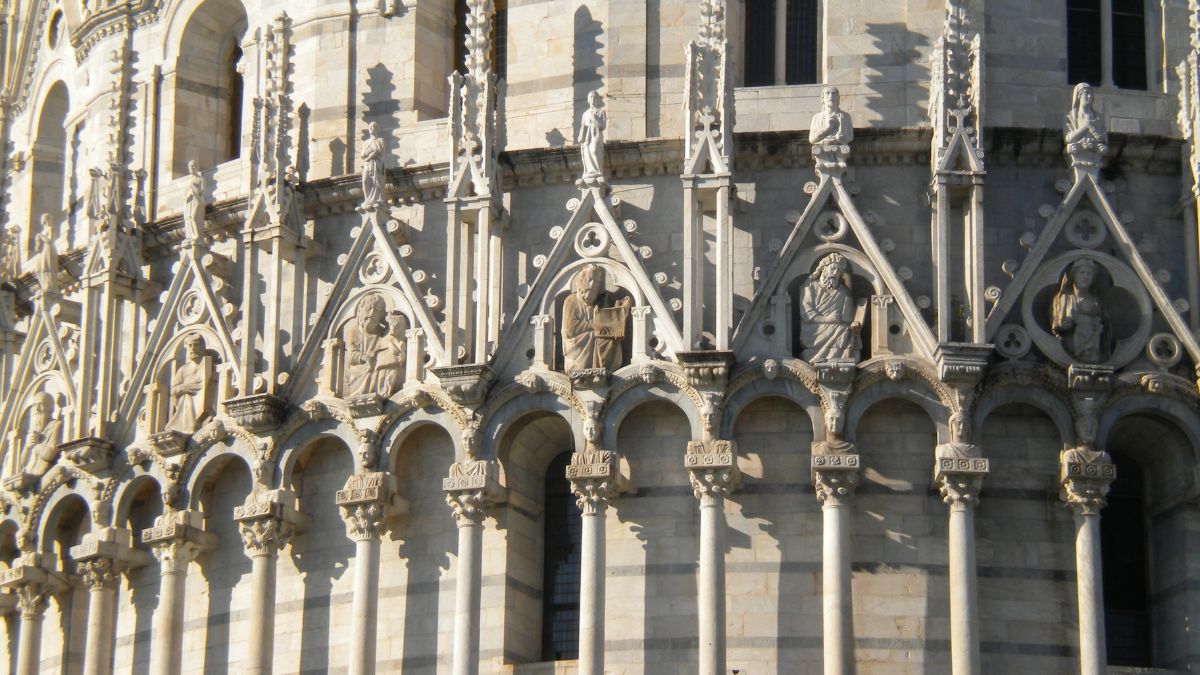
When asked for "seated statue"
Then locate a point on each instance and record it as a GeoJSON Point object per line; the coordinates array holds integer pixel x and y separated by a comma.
{"type": "Point", "coordinates": [592, 325]}
{"type": "Point", "coordinates": [40, 450]}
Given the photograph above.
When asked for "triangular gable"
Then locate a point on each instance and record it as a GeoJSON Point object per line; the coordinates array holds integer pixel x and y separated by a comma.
{"type": "Point", "coordinates": [125, 257]}
{"type": "Point", "coordinates": [43, 328]}
{"type": "Point", "coordinates": [1086, 187]}
{"type": "Point", "coordinates": [591, 207]}
{"type": "Point", "coordinates": [191, 275]}
{"type": "Point", "coordinates": [706, 154]}
{"type": "Point", "coordinates": [371, 236]}
{"type": "Point", "coordinates": [961, 151]}
{"type": "Point", "coordinates": [831, 190]}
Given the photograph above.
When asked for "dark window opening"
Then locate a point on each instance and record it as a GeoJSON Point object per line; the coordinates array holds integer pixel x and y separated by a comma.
{"type": "Point", "coordinates": [560, 588]}
{"type": "Point", "coordinates": [460, 35]}
{"type": "Point", "coordinates": [760, 43]}
{"type": "Point", "coordinates": [1123, 546]}
{"type": "Point", "coordinates": [1129, 44]}
{"type": "Point", "coordinates": [234, 125]}
{"type": "Point", "coordinates": [802, 42]}
{"type": "Point", "coordinates": [500, 40]}
{"type": "Point", "coordinates": [1083, 42]}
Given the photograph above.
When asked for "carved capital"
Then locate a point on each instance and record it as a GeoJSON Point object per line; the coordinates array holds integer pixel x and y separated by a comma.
{"type": "Point", "coordinates": [98, 573]}
{"type": "Point", "coordinates": [595, 479]}
{"type": "Point", "coordinates": [959, 480]}
{"type": "Point", "coordinates": [177, 539]}
{"type": "Point", "coordinates": [835, 478]}
{"type": "Point", "coordinates": [472, 488]}
{"type": "Point", "coordinates": [712, 467]}
{"type": "Point", "coordinates": [32, 584]}
{"type": "Point", "coordinates": [268, 521]}
{"type": "Point", "coordinates": [367, 501]}
{"type": "Point", "coordinates": [32, 600]}
{"type": "Point", "coordinates": [1084, 479]}
{"type": "Point", "coordinates": [104, 553]}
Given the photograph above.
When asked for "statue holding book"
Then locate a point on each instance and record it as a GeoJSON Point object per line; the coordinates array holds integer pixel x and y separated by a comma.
{"type": "Point", "coordinates": [593, 324]}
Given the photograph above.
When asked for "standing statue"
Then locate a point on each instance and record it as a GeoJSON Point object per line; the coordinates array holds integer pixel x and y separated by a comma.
{"type": "Point", "coordinates": [40, 451]}
{"type": "Point", "coordinates": [194, 204]}
{"type": "Point", "coordinates": [831, 324]}
{"type": "Point", "coordinates": [591, 138]}
{"type": "Point", "coordinates": [1077, 314]}
{"type": "Point", "coordinates": [389, 362]}
{"type": "Point", "coordinates": [830, 133]}
{"type": "Point", "coordinates": [960, 446]}
{"type": "Point", "coordinates": [372, 156]}
{"type": "Point", "coordinates": [45, 260]}
{"type": "Point", "coordinates": [189, 386]}
{"type": "Point", "coordinates": [364, 340]}
{"type": "Point", "coordinates": [592, 328]}
{"type": "Point", "coordinates": [1084, 133]}
{"type": "Point", "coordinates": [97, 206]}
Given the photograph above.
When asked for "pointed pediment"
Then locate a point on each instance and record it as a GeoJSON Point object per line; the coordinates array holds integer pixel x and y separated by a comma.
{"type": "Point", "coordinates": [706, 159]}
{"type": "Point", "coordinates": [1085, 226]}
{"type": "Point", "coordinates": [848, 231]}
{"type": "Point", "coordinates": [961, 154]}
{"type": "Point", "coordinates": [592, 234]}
{"type": "Point", "coordinates": [373, 260]}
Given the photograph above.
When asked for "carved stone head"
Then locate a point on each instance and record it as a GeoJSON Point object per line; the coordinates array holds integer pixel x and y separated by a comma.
{"type": "Point", "coordinates": [831, 99]}
{"type": "Point", "coordinates": [370, 312]}
{"type": "Point", "coordinates": [588, 283]}
{"type": "Point", "coordinates": [831, 269]}
{"type": "Point", "coordinates": [960, 428]}
{"type": "Point", "coordinates": [194, 347]}
{"type": "Point", "coordinates": [770, 369]}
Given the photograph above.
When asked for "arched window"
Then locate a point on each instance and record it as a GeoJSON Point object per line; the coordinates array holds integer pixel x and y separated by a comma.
{"type": "Point", "coordinates": [1123, 545]}
{"type": "Point", "coordinates": [782, 42]}
{"type": "Point", "coordinates": [49, 161]}
{"type": "Point", "coordinates": [560, 565]}
{"type": "Point", "coordinates": [233, 119]}
{"type": "Point", "coordinates": [1113, 56]}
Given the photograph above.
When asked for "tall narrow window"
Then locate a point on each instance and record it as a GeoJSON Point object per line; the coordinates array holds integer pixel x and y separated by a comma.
{"type": "Point", "coordinates": [235, 103]}
{"type": "Point", "coordinates": [460, 35]}
{"type": "Point", "coordinates": [1129, 44]}
{"type": "Point", "coordinates": [560, 587]}
{"type": "Point", "coordinates": [500, 40]}
{"type": "Point", "coordinates": [787, 56]}
{"type": "Point", "coordinates": [1123, 544]}
{"type": "Point", "coordinates": [1089, 46]}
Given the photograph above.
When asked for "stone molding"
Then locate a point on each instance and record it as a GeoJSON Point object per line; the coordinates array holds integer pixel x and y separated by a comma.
{"type": "Point", "coordinates": [835, 477]}
{"type": "Point", "coordinates": [177, 539]}
{"type": "Point", "coordinates": [1084, 484]}
{"type": "Point", "coordinates": [595, 478]}
{"type": "Point", "coordinates": [268, 521]}
{"type": "Point", "coordinates": [712, 467]}
{"type": "Point", "coordinates": [959, 479]}
{"type": "Point", "coordinates": [472, 489]}
{"type": "Point", "coordinates": [367, 502]}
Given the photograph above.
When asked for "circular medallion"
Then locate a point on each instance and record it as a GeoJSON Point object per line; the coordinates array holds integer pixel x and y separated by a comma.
{"type": "Point", "coordinates": [1013, 341]}
{"type": "Point", "coordinates": [830, 226]}
{"type": "Point", "coordinates": [1085, 229]}
{"type": "Point", "coordinates": [43, 358]}
{"type": "Point", "coordinates": [591, 241]}
{"type": "Point", "coordinates": [1164, 350]}
{"type": "Point", "coordinates": [374, 269]}
{"type": "Point", "coordinates": [191, 308]}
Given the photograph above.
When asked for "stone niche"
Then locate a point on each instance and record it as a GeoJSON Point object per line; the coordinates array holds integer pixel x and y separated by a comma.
{"type": "Point", "coordinates": [372, 350]}
{"type": "Point", "coordinates": [593, 320]}
{"type": "Point", "coordinates": [188, 382]}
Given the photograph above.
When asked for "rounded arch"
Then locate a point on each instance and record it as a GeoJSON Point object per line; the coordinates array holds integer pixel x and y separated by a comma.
{"type": "Point", "coordinates": [1058, 410]}
{"type": "Point", "coordinates": [214, 460]}
{"type": "Point", "coordinates": [762, 387]}
{"type": "Point", "coordinates": [1177, 413]}
{"type": "Point", "coordinates": [859, 264]}
{"type": "Point", "coordinates": [180, 16]}
{"type": "Point", "coordinates": [53, 75]}
{"type": "Point", "coordinates": [301, 442]}
{"type": "Point", "coordinates": [627, 401]}
{"type": "Point", "coordinates": [512, 411]}
{"type": "Point", "coordinates": [617, 274]}
{"type": "Point", "coordinates": [130, 490]}
{"type": "Point", "coordinates": [394, 437]}
{"type": "Point", "coordinates": [49, 154]}
{"type": "Point", "coordinates": [525, 462]}
{"type": "Point", "coordinates": [912, 391]}
{"type": "Point", "coordinates": [65, 507]}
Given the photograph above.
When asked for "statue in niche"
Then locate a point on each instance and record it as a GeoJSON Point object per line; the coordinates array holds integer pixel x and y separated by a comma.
{"type": "Point", "coordinates": [195, 202]}
{"type": "Point", "coordinates": [389, 364]}
{"type": "Point", "coordinates": [592, 324]}
{"type": "Point", "coordinates": [375, 349]}
{"type": "Point", "coordinates": [591, 137]}
{"type": "Point", "coordinates": [189, 388]}
{"type": "Point", "coordinates": [372, 156]}
{"type": "Point", "coordinates": [45, 260]}
{"type": "Point", "coordinates": [40, 450]}
{"type": "Point", "coordinates": [960, 446]}
{"type": "Point", "coordinates": [1085, 136]}
{"type": "Point", "coordinates": [97, 207]}
{"type": "Point", "coordinates": [1077, 314]}
{"type": "Point", "coordinates": [831, 318]}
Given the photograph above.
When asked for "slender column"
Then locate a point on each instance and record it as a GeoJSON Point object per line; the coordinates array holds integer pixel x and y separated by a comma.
{"type": "Point", "coordinates": [835, 477]}
{"type": "Point", "coordinates": [1085, 477]}
{"type": "Point", "coordinates": [366, 502]}
{"type": "Point", "coordinates": [267, 522]}
{"type": "Point", "coordinates": [595, 480]}
{"type": "Point", "coordinates": [176, 539]}
{"type": "Point", "coordinates": [99, 575]}
{"type": "Point", "coordinates": [471, 489]}
{"type": "Point", "coordinates": [959, 479]}
{"type": "Point", "coordinates": [32, 601]}
{"type": "Point", "coordinates": [714, 474]}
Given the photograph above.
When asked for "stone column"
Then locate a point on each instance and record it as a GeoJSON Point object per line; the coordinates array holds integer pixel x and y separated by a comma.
{"type": "Point", "coordinates": [100, 559]}
{"type": "Point", "coordinates": [267, 520]}
{"type": "Point", "coordinates": [595, 479]}
{"type": "Point", "coordinates": [714, 474]}
{"type": "Point", "coordinates": [472, 488]}
{"type": "Point", "coordinates": [1084, 477]}
{"type": "Point", "coordinates": [176, 539]}
{"type": "Point", "coordinates": [835, 477]}
{"type": "Point", "coordinates": [33, 584]}
{"type": "Point", "coordinates": [366, 502]}
{"type": "Point", "coordinates": [959, 480]}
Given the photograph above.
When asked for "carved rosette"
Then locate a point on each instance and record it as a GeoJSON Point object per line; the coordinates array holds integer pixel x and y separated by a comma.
{"type": "Point", "coordinates": [472, 488]}
{"type": "Point", "coordinates": [595, 479]}
{"type": "Point", "coordinates": [712, 467]}
{"type": "Point", "coordinates": [1084, 484]}
{"type": "Point", "coordinates": [177, 539]}
{"type": "Point", "coordinates": [959, 480]}
{"type": "Point", "coordinates": [267, 522]}
{"type": "Point", "coordinates": [835, 477]}
{"type": "Point", "coordinates": [366, 502]}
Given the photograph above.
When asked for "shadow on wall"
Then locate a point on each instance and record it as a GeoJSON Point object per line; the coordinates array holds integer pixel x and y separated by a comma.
{"type": "Point", "coordinates": [380, 104]}
{"type": "Point", "coordinates": [586, 62]}
{"type": "Point", "coordinates": [896, 74]}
